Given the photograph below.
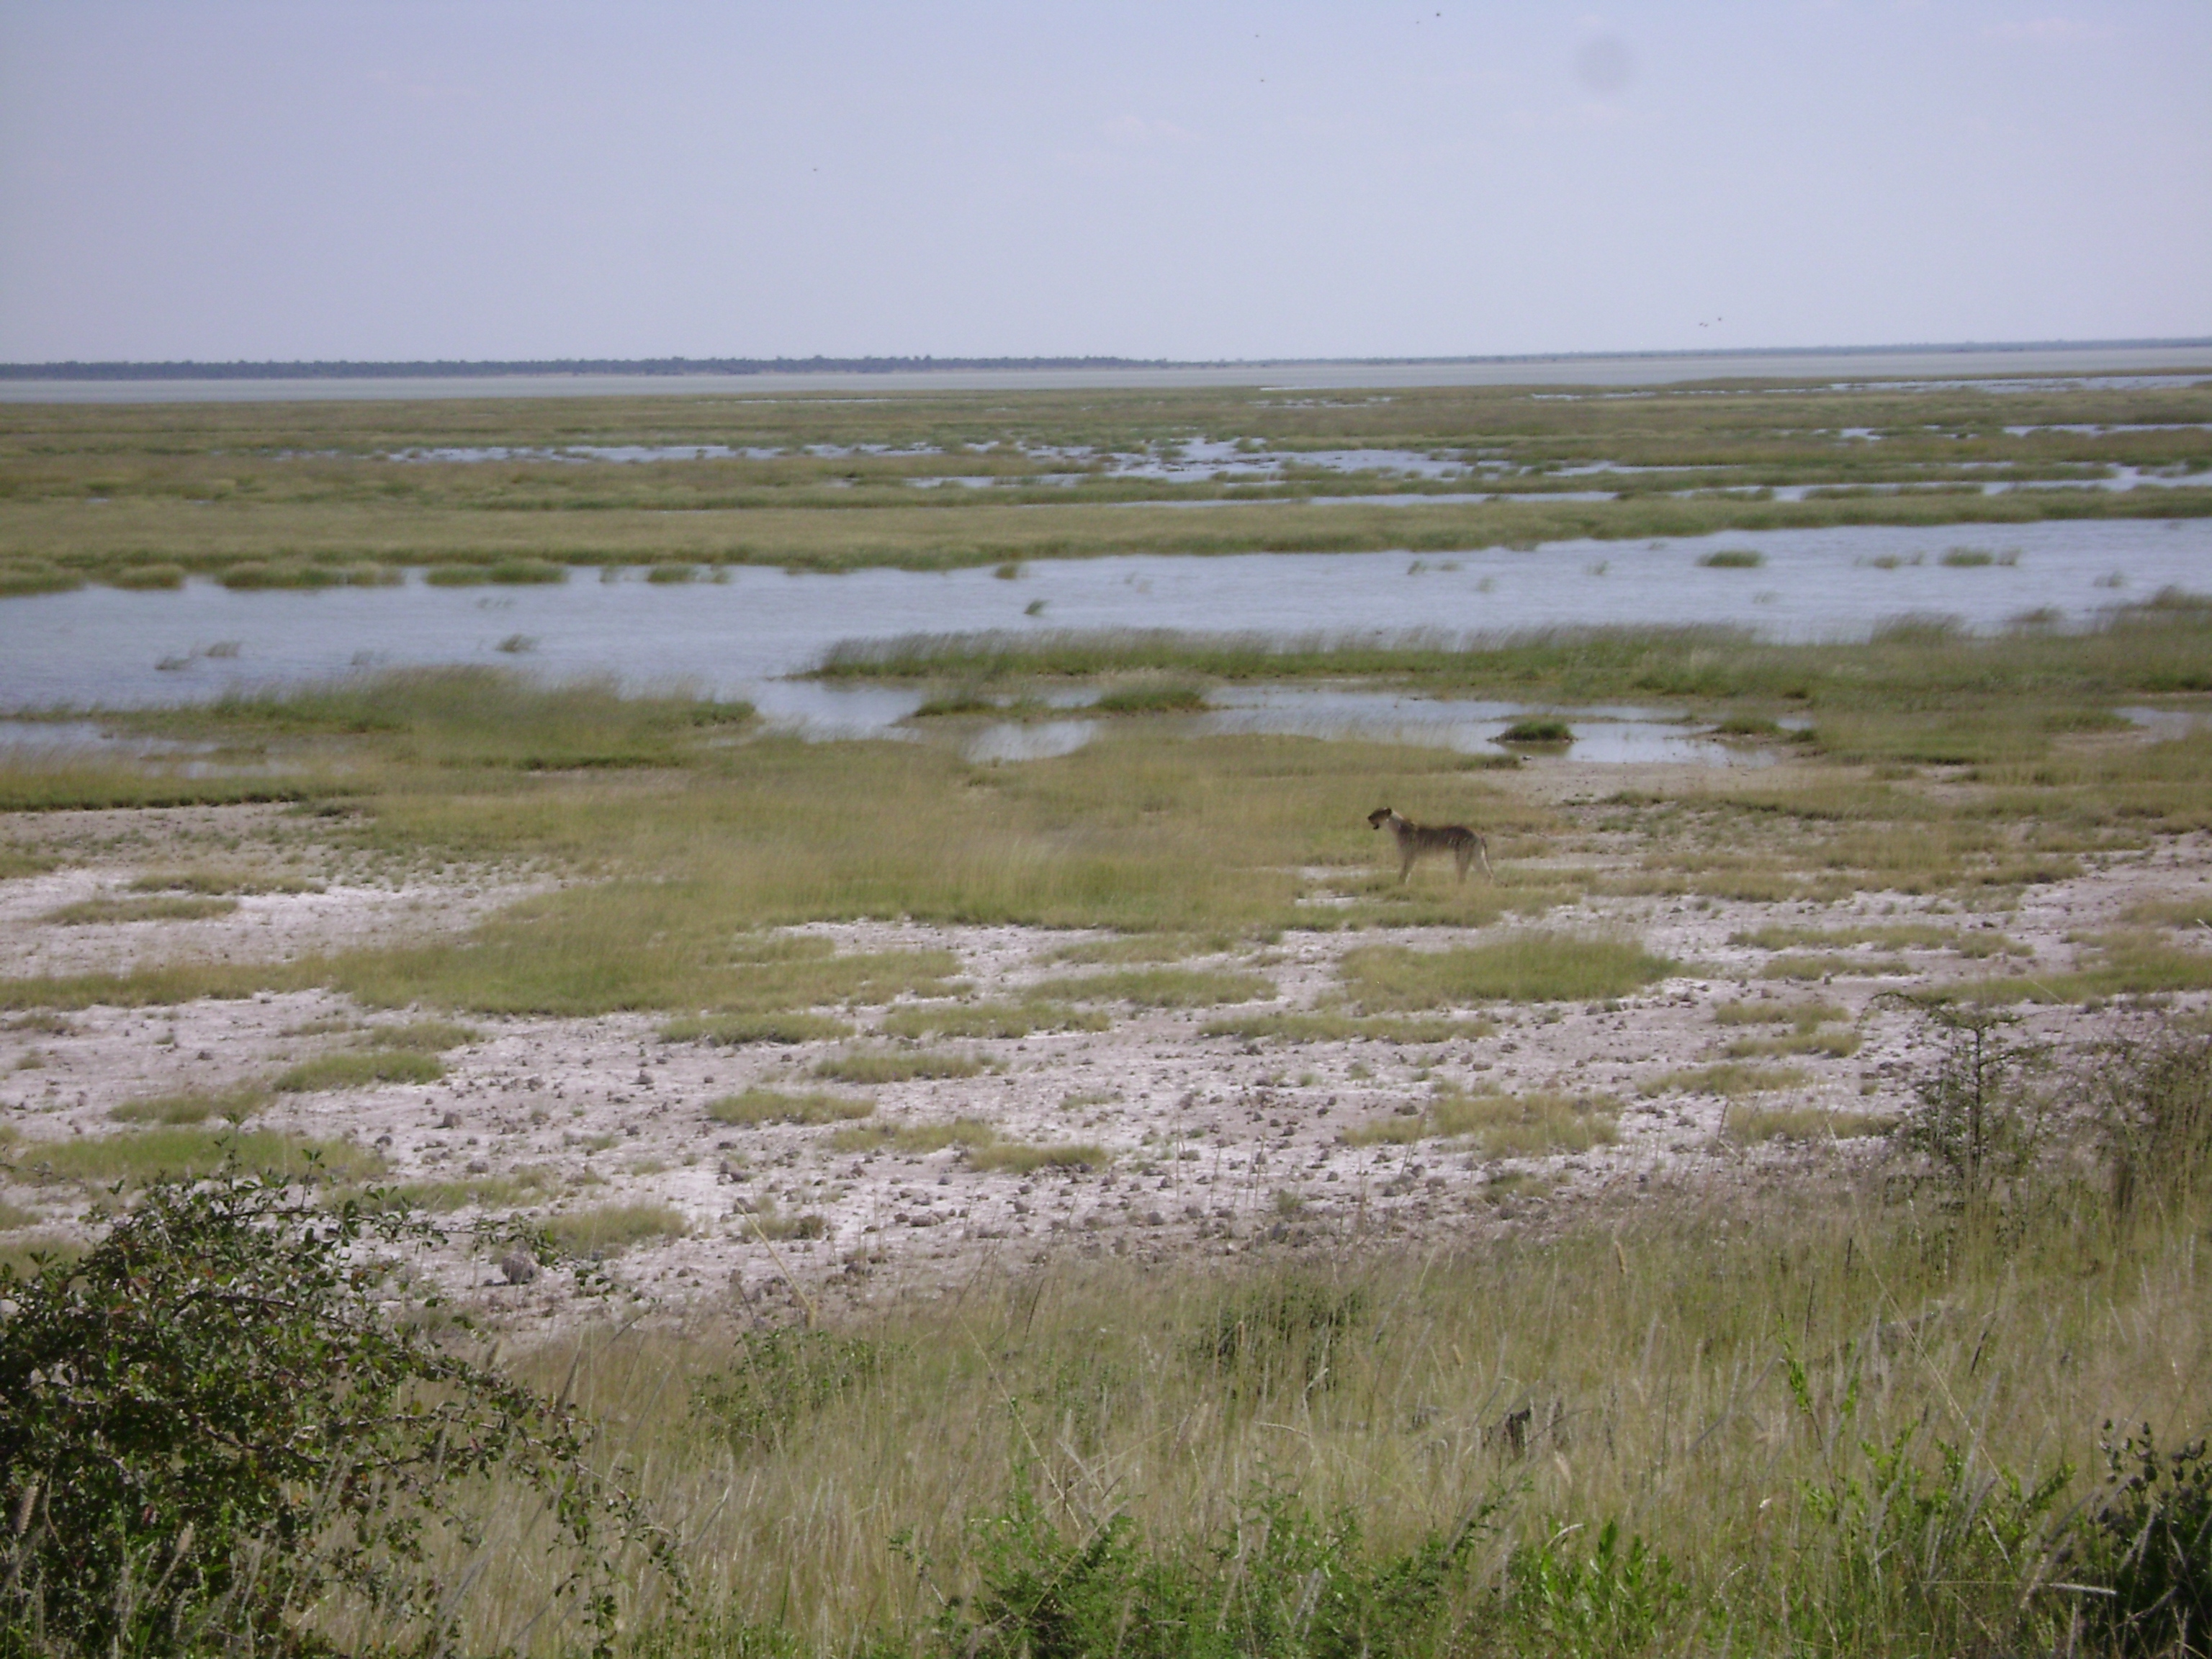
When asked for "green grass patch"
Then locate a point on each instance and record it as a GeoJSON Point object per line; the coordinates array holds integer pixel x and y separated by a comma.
{"type": "Point", "coordinates": [147, 578]}
{"type": "Point", "coordinates": [1527, 967]}
{"type": "Point", "coordinates": [158, 986]}
{"type": "Point", "coordinates": [1804, 1016]}
{"type": "Point", "coordinates": [913, 1140]}
{"type": "Point", "coordinates": [463, 718]}
{"type": "Point", "coordinates": [762, 1106]}
{"type": "Point", "coordinates": [613, 1228]}
{"type": "Point", "coordinates": [1400, 1129]}
{"type": "Point", "coordinates": [768, 1223]}
{"type": "Point", "coordinates": [991, 1019]}
{"type": "Point", "coordinates": [1893, 936]}
{"type": "Point", "coordinates": [1835, 1045]}
{"type": "Point", "coordinates": [187, 1154]}
{"type": "Point", "coordinates": [2189, 913]}
{"type": "Point", "coordinates": [1808, 968]}
{"type": "Point", "coordinates": [1538, 729]}
{"type": "Point", "coordinates": [1160, 988]}
{"type": "Point", "coordinates": [960, 701]}
{"type": "Point", "coordinates": [219, 881]}
{"type": "Point", "coordinates": [1535, 1124]}
{"type": "Point", "coordinates": [897, 1066]}
{"type": "Point", "coordinates": [98, 911]}
{"type": "Point", "coordinates": [1728, 1080]}
{"type": "Point", "coordinates": [1752, 1124]}
{"type": "Point", "coordinates": [736, 1030]}
{"type": "Point", "coordinates": [528, 573]}
{"type": "Point", "coordinates": [2120, 965]}
{"type": "Point", "coordinates": [1015, 1157]}
{"type": "Point", "coordinates": [16, 863]}
{"type": "Point", "coordinates": [94, 786]}
{"type": "Point", "coordinates": [360, 1070]}
{"type": "Point", "coordinates": [630, 946]}
{"type": "Point", "coordinates": [13, 1217]}
{"type": "Point", "coordinates": [1330, 1026]}
{"type": "Point", "coordinates": [21, 578]}
{"type": "Point", "coordinates": [1167, 698]}
{"type": "Point", "coordinates": [507, 1192]}
{"type": "Point", "coordinates": [425, 1037]}
{"type": "Point", "coordinates": [1138, 947]}
{"type": "Point", "coordinates": [234, 1105]}
{"type": "Point", "coordinates": [1733, 558]}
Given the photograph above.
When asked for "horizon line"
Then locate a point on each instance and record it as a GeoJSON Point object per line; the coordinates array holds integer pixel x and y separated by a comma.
{"type": "Point", "coordinates": [679, 367]}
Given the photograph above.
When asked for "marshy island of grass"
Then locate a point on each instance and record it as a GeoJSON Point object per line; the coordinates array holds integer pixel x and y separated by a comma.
{"type": "Point", "coordinates": [295, 496]}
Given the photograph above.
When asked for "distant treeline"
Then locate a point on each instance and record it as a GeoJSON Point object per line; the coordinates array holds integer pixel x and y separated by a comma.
{"type": "Point", "coordinates": [444, 368]}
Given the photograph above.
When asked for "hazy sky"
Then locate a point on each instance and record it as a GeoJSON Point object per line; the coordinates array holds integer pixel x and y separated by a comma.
{"type": "Point", "coordinates": [214, 179]}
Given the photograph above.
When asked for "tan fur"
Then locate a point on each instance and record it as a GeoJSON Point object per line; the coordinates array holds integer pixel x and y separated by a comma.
{"type": "Point", "coordinates": [1465, 845]}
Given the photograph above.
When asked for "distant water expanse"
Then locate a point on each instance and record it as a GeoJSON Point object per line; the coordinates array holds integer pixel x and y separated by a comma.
{"type": "Point", "coordinates": [740, 638]}
{"type": "Point", "coordinates": [887, 376]}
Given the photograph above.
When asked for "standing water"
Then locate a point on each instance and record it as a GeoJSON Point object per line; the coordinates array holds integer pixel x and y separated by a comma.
{"type": "Point", "coordinates": [742, 635]}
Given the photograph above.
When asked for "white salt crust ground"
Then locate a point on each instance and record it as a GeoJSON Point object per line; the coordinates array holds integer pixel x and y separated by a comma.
{"type": "Point", "coordinates": [1221, 1148]}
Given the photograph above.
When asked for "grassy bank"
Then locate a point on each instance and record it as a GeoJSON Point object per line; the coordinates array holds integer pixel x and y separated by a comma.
{"type": "Point", "coordinates": [1842, 1417]}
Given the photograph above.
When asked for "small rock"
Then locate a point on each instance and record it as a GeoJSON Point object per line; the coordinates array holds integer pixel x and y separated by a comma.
{"type": "Point", "coordinates": [518, 1268]}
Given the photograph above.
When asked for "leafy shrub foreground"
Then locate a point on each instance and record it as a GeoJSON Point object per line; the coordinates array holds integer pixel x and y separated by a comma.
{"type": "Point", "coordinates": [209, 1426]}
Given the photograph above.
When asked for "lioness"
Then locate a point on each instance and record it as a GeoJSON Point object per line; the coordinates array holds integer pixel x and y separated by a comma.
{"type": "Point", "coordinates": [1464, 844]}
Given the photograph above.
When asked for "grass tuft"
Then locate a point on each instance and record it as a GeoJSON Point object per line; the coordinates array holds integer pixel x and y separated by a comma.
{"type": "Point", "coordinates": [897, 1066]}
{"type": "Point", "coordinates": [1727, 1079]}
{"type": "Point", "coordinates": [101, 911]}
{"type": "Point", "coordinates": [1160, 988]}
{"type": "Point", "coordinates": [614, 1228]}
{"type": "Point", "coordinates": [991, 1019]}
{"type": "Point", "coordinates": [1758, 1123]}
{"type": "Point", "coordinates": [360, 1070]}
{"type": "Point", "coordinates": [234, 1105]}
{"type": "Point", "coordinates": [141, 1156]}
{"type": "Point", "coordinates": [762, 1106]}
{"type": "Point", "coordinates": [913, 1140]}
{"type": "Point", "coordinates": [1008, 1156]}
{"type": "Point", "coordinates": [1530, 966]}
{"type": "Point", "coordinates": [736, 1030]}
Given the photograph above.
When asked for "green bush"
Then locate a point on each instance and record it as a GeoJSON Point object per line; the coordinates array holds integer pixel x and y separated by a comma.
{"type": "Point", "coordinates": [2150, 1542]}
{"type": "Point", "coordinates": [1283, 1581]}
{"type": "Point", "coordinates": [211, 1423]}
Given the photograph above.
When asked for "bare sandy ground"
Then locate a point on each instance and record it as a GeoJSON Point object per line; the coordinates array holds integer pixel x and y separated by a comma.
{"type": "Point", "coordinates": [1221, 1148]}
